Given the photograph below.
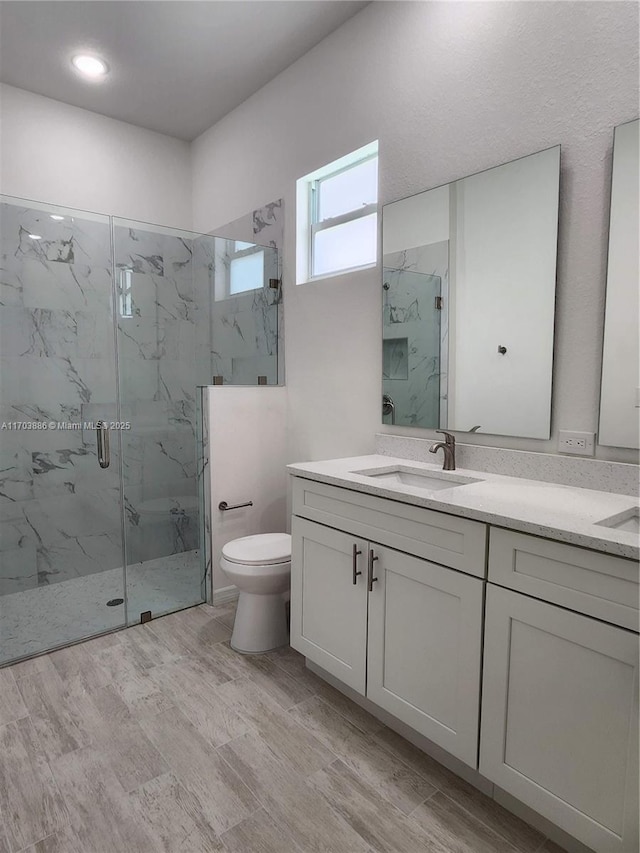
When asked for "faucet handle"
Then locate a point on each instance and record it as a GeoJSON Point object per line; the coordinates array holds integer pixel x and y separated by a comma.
{"type": "Point", "coordinates": [449, 439]}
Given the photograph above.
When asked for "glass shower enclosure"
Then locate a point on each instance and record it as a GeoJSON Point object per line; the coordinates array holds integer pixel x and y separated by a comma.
{"type": "Point", "coordinates": [107, 331]}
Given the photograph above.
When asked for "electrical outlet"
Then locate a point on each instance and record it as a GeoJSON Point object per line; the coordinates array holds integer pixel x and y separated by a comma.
{"type": "Point", "coordinates": [576, 443]}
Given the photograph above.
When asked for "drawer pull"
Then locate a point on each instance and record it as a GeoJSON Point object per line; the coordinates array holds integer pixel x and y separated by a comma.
{"type": "Point", "coordinates": [356, 554]}
{"type": "Point", "coordinates": [371, 579]}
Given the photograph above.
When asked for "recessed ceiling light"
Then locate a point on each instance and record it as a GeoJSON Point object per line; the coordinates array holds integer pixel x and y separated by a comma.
{"type": "Point", "coordinates": [56, 217]}
{"type": "Point", "coordinates": [35, 236]}
{"type": "Point", "coordinates": [90, 66]}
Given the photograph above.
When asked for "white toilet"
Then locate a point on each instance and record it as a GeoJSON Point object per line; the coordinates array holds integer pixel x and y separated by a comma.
{"type": "Point", "coordinates": [260, 566]}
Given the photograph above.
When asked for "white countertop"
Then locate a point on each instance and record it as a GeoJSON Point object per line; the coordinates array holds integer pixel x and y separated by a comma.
{"type": "Point", "coordinates": [564, 513]}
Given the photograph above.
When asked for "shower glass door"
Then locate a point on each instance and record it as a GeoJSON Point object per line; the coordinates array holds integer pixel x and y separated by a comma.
{"type": "Point", "coordinates": [61, 543]}
{"type": "Point", "coordinates": [163, 291]}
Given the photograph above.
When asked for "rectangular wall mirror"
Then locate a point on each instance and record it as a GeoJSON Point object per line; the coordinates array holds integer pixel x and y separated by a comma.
{"type": "Point", "coordinates": [468, 289]}
{"type": "Point", "coordinates": [620, 391]}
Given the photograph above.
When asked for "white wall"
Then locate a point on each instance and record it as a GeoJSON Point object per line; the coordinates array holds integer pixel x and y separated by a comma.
{"type": "Point", "coordinates": [448, 89]}
{"type": "Point", "coordinates": [248, 457]}
{"type": "Point", "coordinates": [59, 154]}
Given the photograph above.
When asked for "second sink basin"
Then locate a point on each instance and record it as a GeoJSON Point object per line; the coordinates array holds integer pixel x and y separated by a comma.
{"type": "Point", "coordinates": [629, 520]}
{"type": "Point", "coordinates": [417, 478]}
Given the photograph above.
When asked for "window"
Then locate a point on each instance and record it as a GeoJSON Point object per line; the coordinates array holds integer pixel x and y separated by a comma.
{"type": "Point", "coordinates": [338, 216]}
{"type": "Point", "coordinates": [246, 268]}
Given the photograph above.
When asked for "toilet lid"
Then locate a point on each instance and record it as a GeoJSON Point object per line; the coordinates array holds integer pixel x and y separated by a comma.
{"type": "Point", "coordinates": [263, 549]}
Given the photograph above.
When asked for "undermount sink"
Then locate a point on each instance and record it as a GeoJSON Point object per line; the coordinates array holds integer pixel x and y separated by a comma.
{"type": "Point", "coordinates": [417, 478]}
{"type": "Point", "coordinates": [629, 520]}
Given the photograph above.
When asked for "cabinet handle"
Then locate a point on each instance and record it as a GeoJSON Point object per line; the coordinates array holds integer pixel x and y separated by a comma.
{"type": "Point", "coordinates": [371, 580]}
{"type": "Point", "coordinates": [356, 554]}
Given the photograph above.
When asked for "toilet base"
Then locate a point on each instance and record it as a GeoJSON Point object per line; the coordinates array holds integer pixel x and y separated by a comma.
{"type": "Point", "coordinates": [260, 624]}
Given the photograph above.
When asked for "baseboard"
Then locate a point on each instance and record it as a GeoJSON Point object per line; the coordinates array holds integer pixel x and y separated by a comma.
{"type": "Point", "coordinates": [225, 594]}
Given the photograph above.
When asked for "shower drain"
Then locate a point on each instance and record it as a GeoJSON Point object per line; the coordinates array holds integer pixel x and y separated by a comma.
{"type": "Point", "coordinates": [115, 602]}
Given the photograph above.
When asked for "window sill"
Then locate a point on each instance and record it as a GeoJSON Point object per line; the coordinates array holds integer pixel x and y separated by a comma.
{"type": "Point", "coordinates": [317, 278]}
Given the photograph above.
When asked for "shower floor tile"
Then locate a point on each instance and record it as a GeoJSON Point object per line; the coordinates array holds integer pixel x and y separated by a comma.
{"type": "Point", "coordinates": [37, 619]}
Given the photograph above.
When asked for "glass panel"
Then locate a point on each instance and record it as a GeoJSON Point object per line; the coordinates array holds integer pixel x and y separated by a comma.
{"type": "Point", "coordinates": [246, 273]}
{"type": "Point", "coordinates": [351, 189]}
{"type": "Point", "coordinates": [60, 524]}
{"type": "Point", "coordinates": [243, 343]}
{"type": "Point", "coordinates": [411, 366]}
{"type": "Point", "coordinates": [343, 247]}
{"type": "Point", "coordinates": [163, 320]}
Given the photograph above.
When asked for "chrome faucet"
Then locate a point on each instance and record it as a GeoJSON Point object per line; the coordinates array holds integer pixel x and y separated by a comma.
{"type": "Point", "coordinates": [449, 448]}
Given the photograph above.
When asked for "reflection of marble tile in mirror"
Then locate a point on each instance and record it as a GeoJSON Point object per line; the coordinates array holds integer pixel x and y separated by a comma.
{"type": "Point", "coordinates": [620, 392]}
{"type": "Point", "coordinates": [492, 239]}
{"type": "Point", "coordinates": [411, 341]}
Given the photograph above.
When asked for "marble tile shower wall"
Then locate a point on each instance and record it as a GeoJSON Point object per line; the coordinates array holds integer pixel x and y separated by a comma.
{"type": "Point", "coordinates": [415, 334]}
{"type": "Point", "coordinates": [58, 510]}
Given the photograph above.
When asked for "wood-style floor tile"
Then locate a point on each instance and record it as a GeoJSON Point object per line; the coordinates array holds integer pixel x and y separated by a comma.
{"type": "Point", "coordinates": [287, 690]}
{"type": "Point", "coordinates": [58, 715]}
{"type": "Point", "coordinates": [11, 704]}
{"type": "Point", "coordinates": [289, 740]}
{"type": "Point", "coordinates": [162, 739]}
{"type": "Point", "coordinates": [172, 818]}
{"type": "Point", "coordinates": [31, 666]}
{"type": "Point", "coordinates": [398, 783]}
{"type": "Point", "coordinates": [455, 830]}
{"type": "Point", "coordinates": [224, 799]}
{"type": "Point", "coordinates": [381, 825]}
{"type": "Point", "coordinates": [101, 814]}
{"type": "Point", "coordinates": [259, 834]}
{"type": "Point", "coordinates": [309, 820]}
{"type": "Point", "coordinates": [78, 668]}
{"type": "Point", "coordinates": [521, 835]}
{"type": "Point", "coordinates": [64, 840]}
{"type": "Point", "coordinates": [226, 613]}
{"type": "Point", "coordinates": [188, 689]}
{"type": "Point", "coordinates": [30, 802]}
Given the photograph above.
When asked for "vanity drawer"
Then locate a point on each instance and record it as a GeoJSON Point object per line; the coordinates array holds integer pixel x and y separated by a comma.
{"type": "Point", "coordinates": [436, 536]}
{"type": "Point", "coordinates": [586, 581]}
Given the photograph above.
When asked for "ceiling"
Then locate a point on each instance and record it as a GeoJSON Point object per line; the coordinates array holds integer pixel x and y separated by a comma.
{"type": "Point", "coordinates": [177, 66]}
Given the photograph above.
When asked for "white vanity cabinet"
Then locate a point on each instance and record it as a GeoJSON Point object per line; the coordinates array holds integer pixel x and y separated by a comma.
{"type": "Point", "coordinates": [424, 649]}
{"type": "Point", "coordinates": [329, 610]}
{"type": "Point", "coordinates": [560, 688]}
{"type": "Point", "coordinates": [403, 630]}
{"type": "Point", "coordinates": [520, 658]}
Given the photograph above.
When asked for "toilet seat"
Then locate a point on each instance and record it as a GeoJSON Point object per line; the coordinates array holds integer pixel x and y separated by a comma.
{"type": "Point", "coordinates": [263, 549]}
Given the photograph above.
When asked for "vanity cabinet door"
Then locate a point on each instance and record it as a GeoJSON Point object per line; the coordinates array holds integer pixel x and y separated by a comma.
{"type": "Point", "coordinates": [329, 609]}
{"type": "Point", "coordinates": [560, 717]}
{"type": "Point", "coordinates": [425, 648]}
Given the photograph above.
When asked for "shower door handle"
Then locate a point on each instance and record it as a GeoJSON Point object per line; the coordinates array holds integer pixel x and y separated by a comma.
{"type": "Point", "coordinates": [102, 442]}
